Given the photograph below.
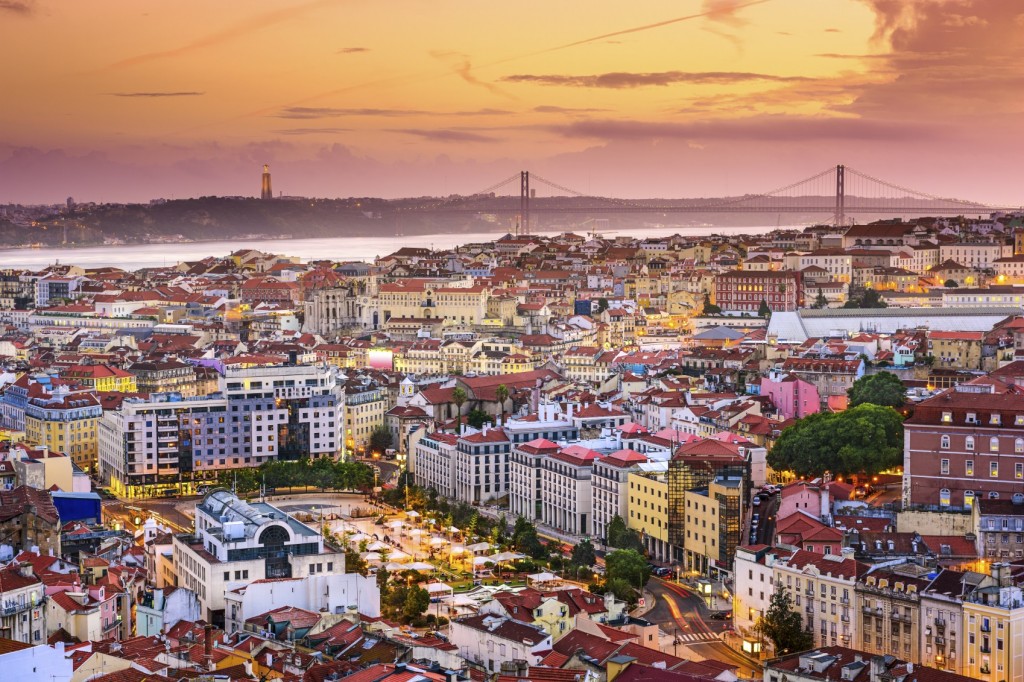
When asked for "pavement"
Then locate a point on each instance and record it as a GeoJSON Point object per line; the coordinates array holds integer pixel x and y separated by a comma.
{"type": "Point", "coordinates": [682, 614]}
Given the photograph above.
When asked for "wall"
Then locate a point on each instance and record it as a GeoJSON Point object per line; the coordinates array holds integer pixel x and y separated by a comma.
{"type": "Point", "coordinates": [934, 523]}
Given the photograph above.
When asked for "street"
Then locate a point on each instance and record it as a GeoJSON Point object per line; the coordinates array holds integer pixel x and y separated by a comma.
{"type": "Point", "coordinates": [681, 613]}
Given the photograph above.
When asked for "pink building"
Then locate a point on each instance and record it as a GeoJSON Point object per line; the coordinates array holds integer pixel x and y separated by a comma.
{"type": "Point", "coordinates": [812, 497]}
{"type": "Point", "coordinates": [793, 397]}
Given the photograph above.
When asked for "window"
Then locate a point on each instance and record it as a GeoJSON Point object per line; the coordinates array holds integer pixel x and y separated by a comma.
{"type": "Point", "coordinates": [947, 417]}
{"type": "Point", "coordinates": [1018, 445]}
{"type": "Point", "coordinates": [944, 466]}
{"type": "Point", "coordinates": [969, 443]}
{"type": "Point", "coordinates": [994, 419]}
{"type": "Point", "coordinates": [1018, 471]}
{"type": "Point", "coordinates": [969, 467]}
{"type": "Point", "coordinates": [993, 444]}
{"type": "Point", "coordinates": [944, 442]}
{"type": "Point", "coordinates": [993, 469]}
{"type": "Point", "coordinates": [972, 418]}
{"type": "Point", "coordinates": [968, 498]}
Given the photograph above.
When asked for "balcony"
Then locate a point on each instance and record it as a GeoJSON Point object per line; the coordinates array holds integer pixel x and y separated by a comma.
{"type": "Point", "coordinates": [895, 616]}
{"type": "Point", "coordinates": [809, 591]}
{"type": "Point", "coordinates": [809, 608]}
{"type": "Point", "coordinates": [845, 619]}
{"type": "Point", "coordinates": [941, 641]}
{"type": "Point", "coordinates": [985, 627]}
{"type": "Point", "coordinates": [845, 601]}
{"type": "Point", "coordinates": [868, 610]}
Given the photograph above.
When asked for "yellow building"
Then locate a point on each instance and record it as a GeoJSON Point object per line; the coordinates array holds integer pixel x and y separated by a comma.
{"type": "Point", "coordinates": [421, 298]}
{"type": "Point", "coordinates": [648, 508]}
{"type": "Point", "coordinates": [993, 629]}
{"type": "Point", "coordinates": [364, 411]}
{"type": "Point", "coordinates": [712, 525]}
{"type": "Point", "coordinates": [102, 378]}
{"type": "Point", "coordinates": [956, 350]}
{"type": "Point", "coordinates": [68, 424]}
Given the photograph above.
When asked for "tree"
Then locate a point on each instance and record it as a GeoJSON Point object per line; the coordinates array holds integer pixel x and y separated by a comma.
{"type": "Point", "coordinates": [526, 540]}
{"type": "Point", "coordinates": [872, 299]}
{"type": "Point", "coordinates": [382, 580]}
{"type": "Point", "coordinates": [820, 301]}
{"type": "Point", "coordinates": [864, 439]}
{"type": "Point", "coordinates": [764, 310]}
{"type": "Point", "coordinates": [242, 481]}
{"type": "Point", "coordinates": [501, 393]}
{"type": "Point", "coordinates": [583, 554]}
{"type": "Point", "coordinates": [709, 307]}
{"type": "Point", "coordinates": [783, 626]}
{"type": "Point", "coordinates": [630, 566]}
{"type": "Point", "coordinates": [459, 397]}
{"type": "Point", "coordinates": [883, 388]}
{"type": "Point", "coordinates": [619, 535]}
{"type": "Point", "coordinates": [602, 305]}
{"type": "Point", "coordinates": [381, 439]}
{"type": "Point", "coordinates": [355, 563]}
{"type": "Point", "coordinates": [950, 284]}
{"type": "Point", "coordinates": [477, 418]}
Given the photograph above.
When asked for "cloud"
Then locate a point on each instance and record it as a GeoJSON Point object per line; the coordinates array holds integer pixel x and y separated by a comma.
{"type": "Point", "coordinates": [713, 9]}
{"type": "Point", "coordinates": [312, 131]}
{"type": "Point", "coordinates": [331, 112]}
{"type": "Point", "coordinates": [551, 109]}
{"type": "Point", "coordinates": [618, 80]}
{"type": "Point", "coordinates": [446, 135]}
{"type": "Point", "coordinates": [755, 128]}
{"type": "Point", "coordinates": [181, 93]}
{"type": "Point", "coordinates": [462, 66]}
{"type": "Point", "coordinates": [832, 30]}
{"type": "Point", "coordinates": [351, 50]}
{"type": "Point", "coordinates": [239, 30]}
{"type": "Point", "coordinates": [20, 7]}
{"type": "Point", "coordinates": [725, 12]}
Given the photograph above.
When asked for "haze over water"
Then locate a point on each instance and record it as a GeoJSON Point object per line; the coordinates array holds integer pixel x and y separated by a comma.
{"type": "Point", "coordinates": [133, 257]}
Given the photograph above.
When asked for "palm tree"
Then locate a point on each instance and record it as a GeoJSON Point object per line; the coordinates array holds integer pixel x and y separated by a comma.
{"type": "Point", "coordinates": [501, 392]}
{"type": "Point", "coordinates": [459, 397]}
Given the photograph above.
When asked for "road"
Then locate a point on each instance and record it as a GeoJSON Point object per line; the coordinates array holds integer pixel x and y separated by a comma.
{"type": "Point", "coordinates": [682, 613]}
{"type": "Point", "coordinates": [766, 512]}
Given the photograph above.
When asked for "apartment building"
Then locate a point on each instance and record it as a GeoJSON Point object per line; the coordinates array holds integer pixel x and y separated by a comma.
{"type": "Point", "coordinates": [830, 376]}
{"type": "Point", "coordinates": [999, 527]}
{"type": "Point", "coordinates": [964, 443]}
{"type": "Point", "coordinates": [433, 463]}
{"type": "Point", "coordinates": [482, 465]}
{"type": "Point", "coordinates": [236, 543]}
{"type": "Point", "coordinates": [824, 592]}
{"type": "Point", "coordinates": [525, 474]}
{"type": "Point", "coordinates": [365, 407]}
{"type": "Point", "coordinates": [889, 611]}
{"type": "Point", "coordinates": [566, 498]}
{"type": "Point", "coordinates": [66, 422]}
{"type": "Point", "coordinates": [744, 291]}
{"type": "Point", "coordinates": [610, 488]}
{"type": "Point", "coordinates": [165, 376]}
{"type": "Point", "coordinates": [993, 625]}
{"type": "Point", "coordinates": [976, 255]}
{"type": "Point", "coordinates": [646, 499]}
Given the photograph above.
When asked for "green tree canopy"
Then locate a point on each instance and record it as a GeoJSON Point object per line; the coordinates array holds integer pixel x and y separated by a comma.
{"type": "Point", "coordinates": [602, 305]}
{"type": "Point", "coordinates": [477, 418]}
{"type": "Point", "coordinates": [459, 397]}
{"type": "Point", "coordinates": [620, 536]}
{"type": "Point", "coordinates": [583, 554]}
{"type": "Point", "coordinates": [526, 540]}
{"type": "Point", "coordinates": [763, 310]}
{"type": "Point", "coordinates": [629, 566]}
{"type": "Point", "coordinates": [950, 284]}
{"type": "Point", "coordinates": [709, 307]}
{"type": "Point", "coordinates": [782, 625]}
{"type": "Point", "coordinates": [381, 439]}
{"type": "Point", "coordinates": [883, 388]}
{"type": "Point", "coordinates": [863, 439]}
{"type": "Point", "coordinates": [820, 301]}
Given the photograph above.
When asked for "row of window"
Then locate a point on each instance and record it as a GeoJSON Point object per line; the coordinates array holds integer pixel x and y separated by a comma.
{"type": "Point", "coordinates": [993, 444]}
{"type": "Point", "coordinates": [993, 468]}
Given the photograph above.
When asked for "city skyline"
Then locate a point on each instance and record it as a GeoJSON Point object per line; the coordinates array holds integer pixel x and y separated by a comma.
{"type": "Point", "coordinates": [699, 98]}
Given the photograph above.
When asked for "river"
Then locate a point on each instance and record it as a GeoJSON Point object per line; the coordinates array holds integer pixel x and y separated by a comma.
{"type": "Point", "coordinates": [333, 248]}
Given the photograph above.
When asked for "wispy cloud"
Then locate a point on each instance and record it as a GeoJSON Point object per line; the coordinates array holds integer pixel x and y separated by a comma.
{"type": "Point", "coordinates": [618, 80]}
{"type": "Point", "coordinates": [351, 50]}
{"type": "Point", "coordinates": [20, 7]}
{"type": "Point", "coordinates": [312, 131]}
{"type": "Point", "coordinates": [776, 128]}
{"type": "Point", "coordinates": [239, 30]}
{"type": "Point", "coordinates": [179, 93]}
{"type": "Point", "coordinates": [552, 109]}
{"type": "Point", "coordinates": [462, 66]}
{"type": "Point", "coordinates": [446, 135]}
{"type": "Point", "coordinates": [333, 112]}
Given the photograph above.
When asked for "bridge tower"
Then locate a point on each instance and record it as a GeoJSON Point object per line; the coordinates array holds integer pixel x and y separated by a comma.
{"type": "Point", "coordinates": [524, 202]}
{"type": "Point", "coordinates": [840, 216]}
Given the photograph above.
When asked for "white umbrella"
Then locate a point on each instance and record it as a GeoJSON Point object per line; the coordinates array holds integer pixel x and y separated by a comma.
{"type": "Point", "coordinates": [436, 588]}
{"type": "Point", "coordinates": [453, 529]}
{"type": "Point", "coordinates": [481, 560]}
{"type": "Point", "coordinates": [437, 542]}
{"type": "Point", "coordinates": [392, 566]}
{"type": "Point", "coordinates": [457, 549]}
{"type": "Point", "coordinates": [358, 537]}
{"type": "Point", "coordinates": [395, 524]}
{"type": "Point", "coordinates": [507, 556]}
{"type": "Point", "coordinates": [398, 555]}
{"type": "Point", "coordinates": [417, 531]}
{"type": "Point", "coordinates": [412, 514]}
{"type": "Point", "coordinates": [371, 556]}
{"type": "Point", "coordinates": [378, 546]}
{"type": "Point", "coordinates": [420, 566]}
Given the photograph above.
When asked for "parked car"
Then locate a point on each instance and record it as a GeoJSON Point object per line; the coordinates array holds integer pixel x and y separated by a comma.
{"type": "Point", "coordinates": [721, 615]}
{"type": "Point", "coordinates": [662, 571]}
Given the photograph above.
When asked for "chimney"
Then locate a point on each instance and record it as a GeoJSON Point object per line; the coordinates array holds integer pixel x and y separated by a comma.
{"type": "Point", "coordinates": [878, 668]}
{"type": "Point", "coordinates": [208, 646]}
{"type": "Point", "coordinates": [910, 668]}
{"type": "Point", "coordinates": [247, 665]}
{"type": "Point", "coordinates": [270, 660]}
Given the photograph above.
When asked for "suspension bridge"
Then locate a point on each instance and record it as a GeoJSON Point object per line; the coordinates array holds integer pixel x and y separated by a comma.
{"type": "Point", "coordinates": [837, 193]}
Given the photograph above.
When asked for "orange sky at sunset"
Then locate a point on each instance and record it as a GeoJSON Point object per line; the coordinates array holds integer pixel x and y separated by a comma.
{"type": "Point", "coordinates": [107, 100]}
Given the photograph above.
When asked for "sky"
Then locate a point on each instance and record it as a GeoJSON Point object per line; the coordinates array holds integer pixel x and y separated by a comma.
{"type": "Point", "coordinates": [120, 100]}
